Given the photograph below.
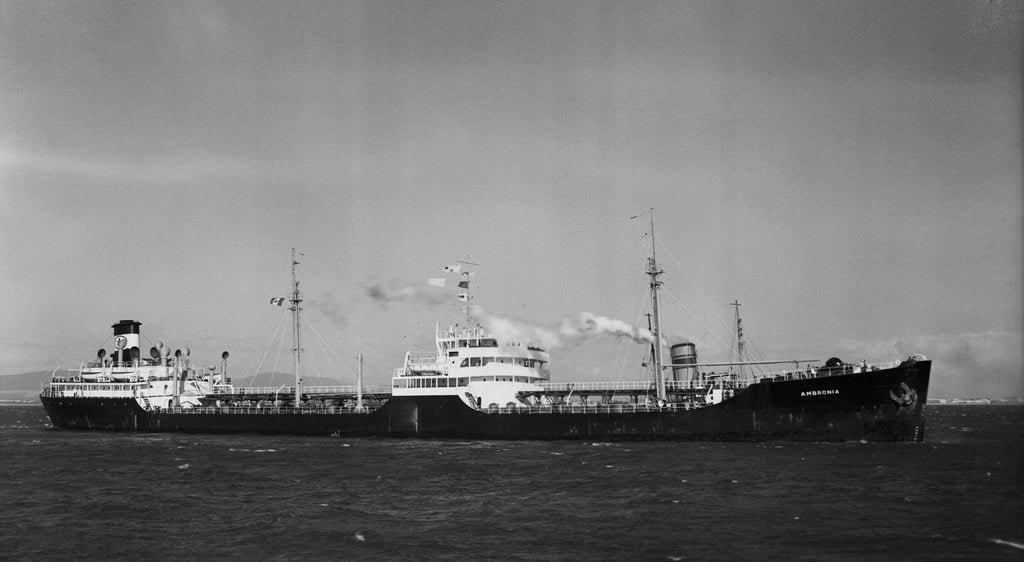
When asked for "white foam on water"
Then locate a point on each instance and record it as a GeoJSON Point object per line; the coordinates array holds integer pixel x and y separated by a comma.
{"type": "Point", "coordinates": [1009, 543]}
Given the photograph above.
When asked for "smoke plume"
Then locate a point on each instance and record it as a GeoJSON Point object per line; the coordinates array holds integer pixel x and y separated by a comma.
{"type": "Point", "coordinates": [586, 325]}
{"type": "Point", "coordinates": [384, 294]}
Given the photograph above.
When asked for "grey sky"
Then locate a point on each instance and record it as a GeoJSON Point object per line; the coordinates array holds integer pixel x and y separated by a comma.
{"type": "Point", "coordinates": [850, 171]}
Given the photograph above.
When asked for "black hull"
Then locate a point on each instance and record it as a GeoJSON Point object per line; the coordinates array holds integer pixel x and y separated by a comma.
{"type": "Point", "coordinates": [872, 406]}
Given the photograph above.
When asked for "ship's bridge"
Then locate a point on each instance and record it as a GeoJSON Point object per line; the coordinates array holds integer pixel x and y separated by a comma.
{"type": "Point", "coordinates": [471, 363]}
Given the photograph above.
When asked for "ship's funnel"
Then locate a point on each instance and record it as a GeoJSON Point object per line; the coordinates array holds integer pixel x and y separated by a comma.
{"type": "Point", "coordinates": [683, 354]}
{"type": "Point", "coordinates": [126, 333]}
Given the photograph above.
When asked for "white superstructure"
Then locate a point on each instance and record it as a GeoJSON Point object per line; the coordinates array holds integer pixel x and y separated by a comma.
{"type": "Point", "coordinates": [477, 367]}
{"type": "Point", "coordinates": [162, 380]}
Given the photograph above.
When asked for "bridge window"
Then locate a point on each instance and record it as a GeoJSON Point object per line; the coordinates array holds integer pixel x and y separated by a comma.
{"type": "Point", "coordinates": [474, 361]}
{"type": "Point", "coordinates": [487, 342]}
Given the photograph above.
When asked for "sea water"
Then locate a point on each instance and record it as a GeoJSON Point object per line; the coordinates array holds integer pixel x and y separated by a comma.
{"type": "Point", "coordinates": [89, 495]}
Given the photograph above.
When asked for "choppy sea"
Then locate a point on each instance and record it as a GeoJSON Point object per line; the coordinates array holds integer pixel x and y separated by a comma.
{"type": "Point", "coordinates": [78, 495]}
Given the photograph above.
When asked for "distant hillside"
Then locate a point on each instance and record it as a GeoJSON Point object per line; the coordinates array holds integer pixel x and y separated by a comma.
{"type": "Point", "coordinates": [23, 388]}
{"type": "Point", "coordinates": [25, 381]}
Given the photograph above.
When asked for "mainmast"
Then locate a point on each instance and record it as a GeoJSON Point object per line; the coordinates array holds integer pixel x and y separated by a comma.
{"type": "Point", "coordinates": [654, 272]}
{"type": "Point", "coordinates": [296, 299]}
{"type": "Point", "coordinates": [739, 338]}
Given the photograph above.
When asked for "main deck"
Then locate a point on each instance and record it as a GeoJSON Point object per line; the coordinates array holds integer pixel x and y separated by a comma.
{"type": "Point", "coordinates": [558, 394]}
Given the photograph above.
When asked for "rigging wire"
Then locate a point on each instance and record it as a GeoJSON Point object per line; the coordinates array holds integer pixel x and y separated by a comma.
{"type": "Point", "coordinates": [758, 356]}
{"type": "Point", "coordinates": [325, 347]}
{"type": "Point", "coordinates": [273, 370]}
{"type": "Point", "coordinates": [638, 306]}
{"type": "Point", "coordinates": [679, 266]}
{"type": "Point", "coordinates": [713, 333]}
{"type": "Point", "coordinates": [567, 356]}
{"type": "Point", "coordinates": [625, 346]}
{"type": "Point", "coordinates": [714, 310]}
{"type": "Point", "coordinates": [309, 365]}
{"type": "Point", "coordinates": [284, 316]}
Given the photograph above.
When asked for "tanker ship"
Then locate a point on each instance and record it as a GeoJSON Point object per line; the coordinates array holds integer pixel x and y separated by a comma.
{"type": "Point", "coordinates": [474, 385]}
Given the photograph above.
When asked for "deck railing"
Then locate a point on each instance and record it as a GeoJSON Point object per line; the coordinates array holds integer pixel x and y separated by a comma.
{"type": "Point", "coordinates": [290, 390]}
{"type": "Point", "coordinates": [423, 358]}
{"type": "Point", "coordinates": [266, 410]}
{"type": "Point", "coordinates": [723, 380]}
{"type": "Point", "coordinates": [64, 388]}
{"type": "Point", "coordinates": [612, 408]}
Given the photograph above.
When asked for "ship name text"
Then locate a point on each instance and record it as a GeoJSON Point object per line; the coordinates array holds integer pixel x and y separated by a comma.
{"type": "Point", "coordinates": [823, 392]}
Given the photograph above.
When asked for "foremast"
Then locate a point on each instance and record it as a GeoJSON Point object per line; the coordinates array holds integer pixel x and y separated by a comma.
{"type": "Point", "coordinates": [654, 272]}
{"type": "Point", "coordinates": [296, 308]}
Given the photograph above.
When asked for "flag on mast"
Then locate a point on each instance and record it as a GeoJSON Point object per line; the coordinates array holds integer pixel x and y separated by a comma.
{"type": "Point", "coordinates": [437, 282]}
{"type": "Point", "coordinates": [278, 301]}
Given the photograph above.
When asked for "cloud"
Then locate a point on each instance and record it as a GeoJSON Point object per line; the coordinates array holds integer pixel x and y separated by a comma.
{"type": "Point", "coordinates": [969, 365]}
{"type": "Point", "coordinates": [169, 170]}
